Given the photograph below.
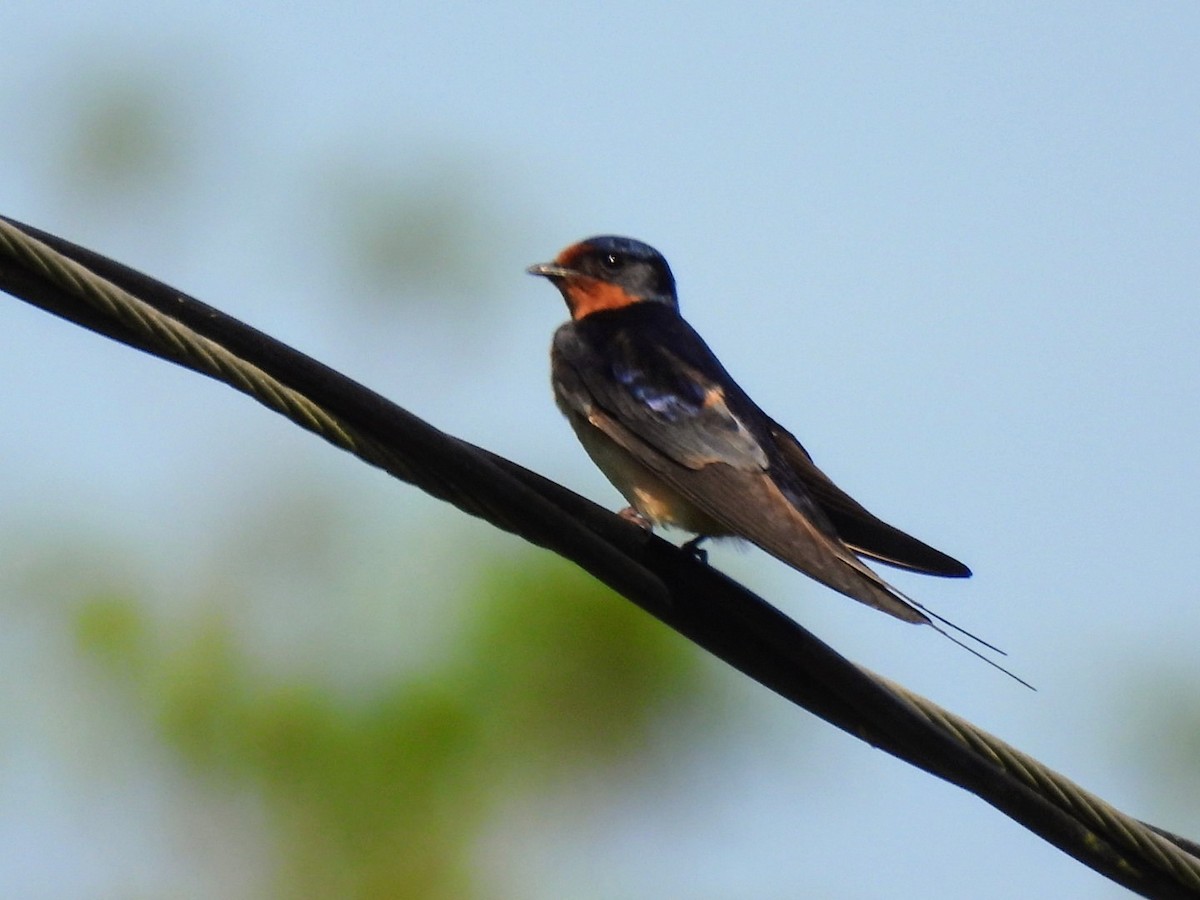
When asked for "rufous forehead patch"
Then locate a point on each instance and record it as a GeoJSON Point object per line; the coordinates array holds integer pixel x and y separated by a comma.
{"type": "Point", "coordinates": [567, 257]}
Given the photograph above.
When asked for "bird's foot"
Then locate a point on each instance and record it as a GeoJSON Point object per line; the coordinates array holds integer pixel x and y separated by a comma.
{"type": "Point", "coordinates": [629, 514]}
{"type": "Point", "coordinates": [693, 548]}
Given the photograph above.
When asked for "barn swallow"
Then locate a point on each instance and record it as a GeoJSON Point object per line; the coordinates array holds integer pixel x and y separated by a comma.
{"type": "Point", "coordinates": [685, 445]}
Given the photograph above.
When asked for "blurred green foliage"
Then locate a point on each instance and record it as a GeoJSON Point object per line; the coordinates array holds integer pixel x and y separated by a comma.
{"type": "Point", "coordinates": [1159, 740]}
{"type": "Point", "coordinates": [420, 232]}
{"type": "Point", "coordinates": [384, 794]}
{"type": "Point", "coordinates": [130, 133]}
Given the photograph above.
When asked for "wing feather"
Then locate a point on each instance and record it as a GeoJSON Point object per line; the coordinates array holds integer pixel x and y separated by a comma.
{"type": "Point", "coordinates": [750, 505]}
{"type": "Point", "coordinates": [861, 530]}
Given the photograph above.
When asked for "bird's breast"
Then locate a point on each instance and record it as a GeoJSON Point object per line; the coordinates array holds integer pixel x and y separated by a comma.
{"type": "Point", "coordinates": [644, 489]}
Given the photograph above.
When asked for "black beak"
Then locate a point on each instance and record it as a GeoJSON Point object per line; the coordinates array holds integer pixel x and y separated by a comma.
{"type": "Point", "coordinates": [550, 270]}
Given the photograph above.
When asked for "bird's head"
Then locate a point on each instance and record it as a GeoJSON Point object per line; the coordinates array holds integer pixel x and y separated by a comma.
{"type": "Point", "coordinates": [605, 273]}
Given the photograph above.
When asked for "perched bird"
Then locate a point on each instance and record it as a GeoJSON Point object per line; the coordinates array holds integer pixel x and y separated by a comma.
{"type": "Point", "coordinates": [686, 446]}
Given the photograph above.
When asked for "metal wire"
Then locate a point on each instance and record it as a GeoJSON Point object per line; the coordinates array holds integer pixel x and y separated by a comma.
{"type": "Point", "coordinates": [1122, 829]}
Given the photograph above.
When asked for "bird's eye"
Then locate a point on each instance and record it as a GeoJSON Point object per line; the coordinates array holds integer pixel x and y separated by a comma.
{"type": "Point", "coordinates": [612, 261]}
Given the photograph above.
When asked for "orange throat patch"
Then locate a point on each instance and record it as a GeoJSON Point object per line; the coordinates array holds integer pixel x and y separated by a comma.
{"type": "Point", "coordinates": [586, 295]}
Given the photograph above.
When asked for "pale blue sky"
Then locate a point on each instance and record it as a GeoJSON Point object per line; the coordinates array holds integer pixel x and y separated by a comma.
{"type": "Point", "coordinates": [953, 247]}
